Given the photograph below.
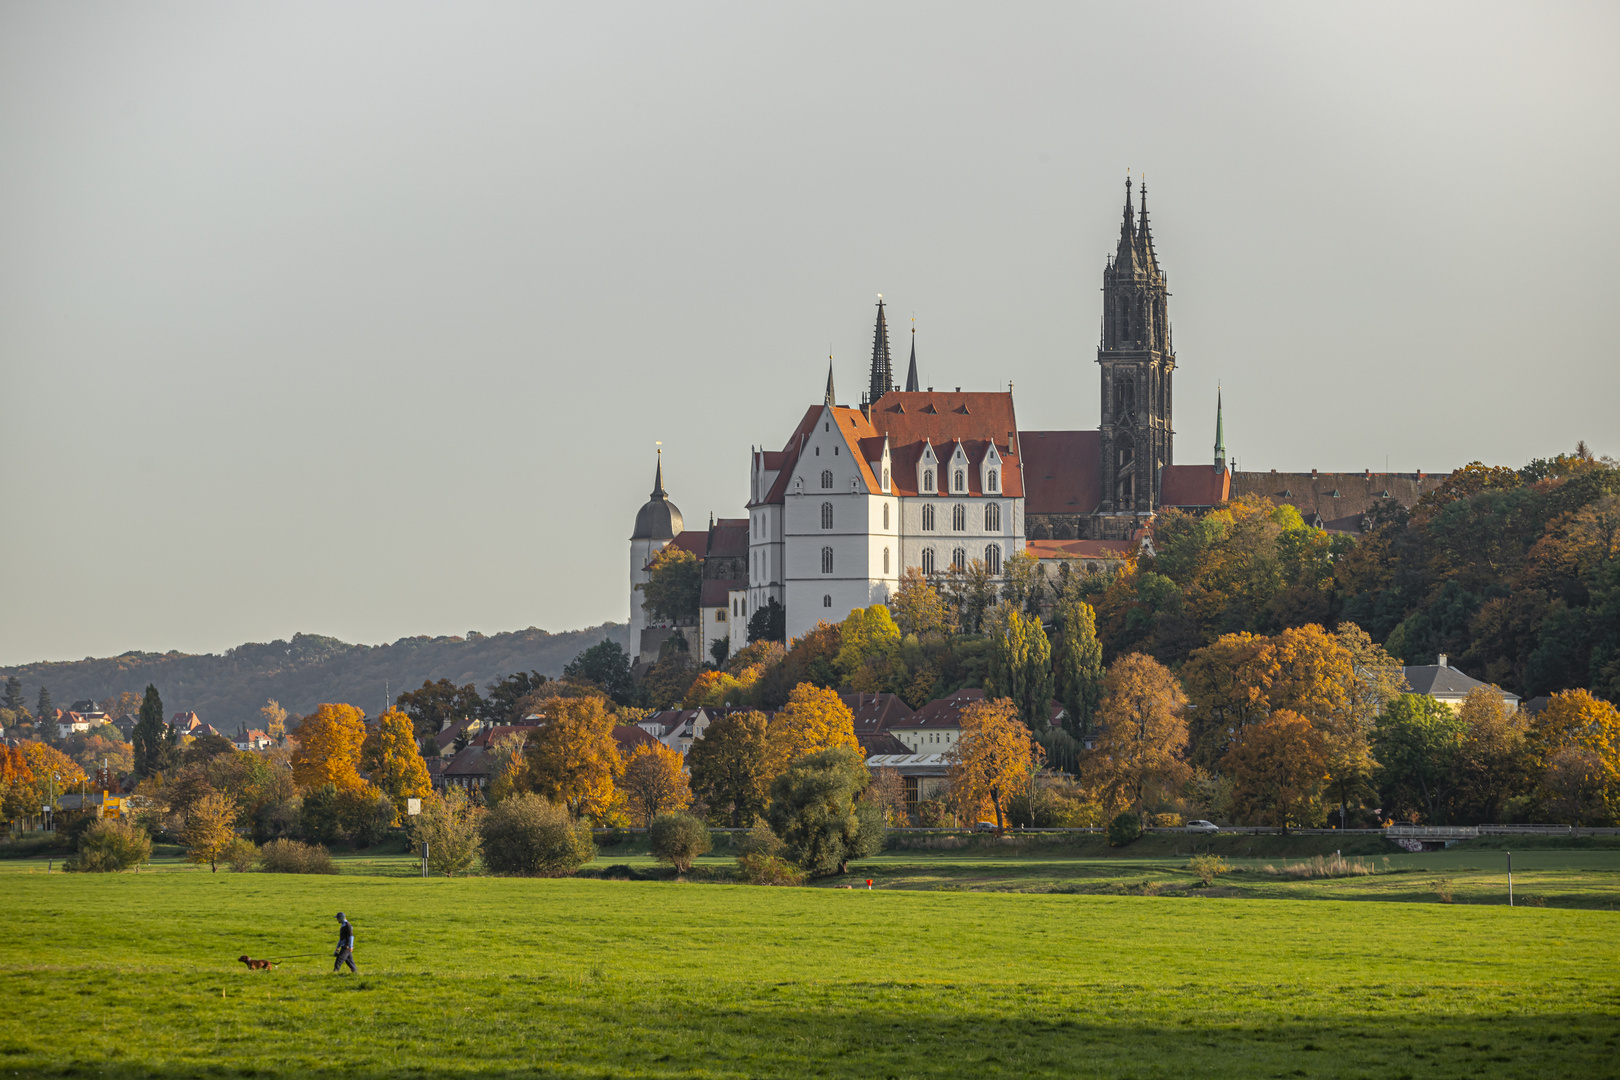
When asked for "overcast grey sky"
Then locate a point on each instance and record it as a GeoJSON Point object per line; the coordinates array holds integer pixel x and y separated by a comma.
{"type": "Point", "coordinates": [363, 319]}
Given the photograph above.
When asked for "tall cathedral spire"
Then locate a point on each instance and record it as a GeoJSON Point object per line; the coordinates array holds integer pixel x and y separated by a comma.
{"type": "Point", "coordinates": [1125, 255]}
{"type": "Point", "coordinates": [1220, 437]}
{"type": "Point", "coordinates": [832, 400]}
{"type": "Point", "coordinates": [1144, 235]}
{"type": "Point", "coordinates": [911, 375]}
{"type": "Point", "coordinates": [882, 368]}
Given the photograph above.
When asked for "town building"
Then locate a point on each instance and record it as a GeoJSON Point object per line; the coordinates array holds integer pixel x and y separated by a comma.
{"type": "Point", "coordinates": [1449, 686]}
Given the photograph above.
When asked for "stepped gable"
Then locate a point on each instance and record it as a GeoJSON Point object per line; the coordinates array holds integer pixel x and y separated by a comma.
{"type": "Point", "coordinates": [1337, 502]}
{"type": "Point", "coordinates": [976, 419]}
{"type": "Point", "coordinates": [1194, 486]}
{"type": "Point", "coordinates": [1061, 473]}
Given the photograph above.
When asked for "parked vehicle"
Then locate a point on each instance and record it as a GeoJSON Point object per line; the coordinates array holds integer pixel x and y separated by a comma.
{"type": "Point", "coordinates": [986, 826]}
{"type": "Point", "coordinates": [1203, 827]}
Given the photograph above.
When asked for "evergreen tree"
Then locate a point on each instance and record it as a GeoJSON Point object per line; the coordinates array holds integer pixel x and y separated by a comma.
{"type": "Point", "coordinates": [1077, 666]}
{"type": "Point", "coordinates": [149, 739]}
{"type": "Point", "coordinates": [14, 695]}
{"type": "Point", "coordinates": [45, 718]}
{"type": "Point", "coordinates": [768, 623]}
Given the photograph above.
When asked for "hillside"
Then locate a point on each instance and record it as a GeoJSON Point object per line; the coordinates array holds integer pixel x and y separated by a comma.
{"type": "Point", "coordinates": [227, 690]}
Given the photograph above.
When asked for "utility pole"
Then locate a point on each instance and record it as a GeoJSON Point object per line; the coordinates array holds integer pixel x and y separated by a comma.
{"type": "Point", "coordinates": [1510, 879]}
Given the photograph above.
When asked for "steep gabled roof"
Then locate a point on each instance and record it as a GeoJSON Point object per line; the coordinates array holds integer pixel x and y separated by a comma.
{"type": "Point", "coordinates": [1194, 485]}
{"type": "Point", "coordinates": [1062, 471]}
{"type": "Point", "coordinates": [974, 419]}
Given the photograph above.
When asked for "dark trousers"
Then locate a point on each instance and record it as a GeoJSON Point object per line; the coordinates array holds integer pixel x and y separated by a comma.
{"type": "Point", "coordinates": [344, 955]}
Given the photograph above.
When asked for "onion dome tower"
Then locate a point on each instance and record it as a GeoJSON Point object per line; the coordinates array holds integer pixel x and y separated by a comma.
{"type": "Point", "coordinates": [657, 523]}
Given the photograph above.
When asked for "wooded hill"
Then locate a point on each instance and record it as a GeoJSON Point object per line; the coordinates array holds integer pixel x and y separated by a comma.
{"type": "Point", "coordinates": [227, 690]}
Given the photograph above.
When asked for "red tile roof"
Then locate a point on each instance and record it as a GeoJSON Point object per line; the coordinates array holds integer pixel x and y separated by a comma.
{"type": "Point", "coordinates": [628, 736]}
{"type": "Point", "coordinates": [1079, 549]}
{"type": "Point", "coordinates": [942, 419]}
{"type": "Point", "coordinates": [1194, 485]}
{"type": "Point", "coordinates": [715, 593]}
{"type": "Point", "coordinates": [1062, 471]}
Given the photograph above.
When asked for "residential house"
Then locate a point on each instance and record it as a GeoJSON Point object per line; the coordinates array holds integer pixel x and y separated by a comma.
{"type": "Point", "coordinates": [252, 740]}
{"type": "Point", "coordinates": [874, 714]}
{"type": "Point", "coordinates": [1449, 686]}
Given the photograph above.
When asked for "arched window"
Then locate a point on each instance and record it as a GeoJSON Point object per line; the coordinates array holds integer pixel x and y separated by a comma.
{"type": "Point", "coordinates": [826, 560]}
{"type": "Point", "coordinates": [992, 558]}
{"type": "Point", "coordinates": [826, 479]}
{"type": "Point", "coordinates": [885, 515]}
{"type": "Point", "coordinates": [928, 479]}
{"type": "Point", "coordinates": [928, 517]}
{"type": "Point", "coordinates": [885, 560]}
{"type": "Point", "coordinates": [928, 560]}
{"type": "Point", "coordinates": [995, 480]}
{"type": "Point", "coordinates": [826, 601]}
{"type": "Point", "coordinates": [992, 517]}
{"type": "Point", "coordinates": [959, 517]}
{"type": "Point", "coordinates": [961, 481]}
{"type": "Point", "coordinates": [959, 559]}
{"type": "Point", "coordinates": [826, 515]}
{"type": "Point", "coordinates": [885, 479]}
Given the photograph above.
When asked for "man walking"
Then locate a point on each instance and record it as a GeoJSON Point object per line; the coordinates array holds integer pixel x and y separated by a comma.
{"type": "Point", "coordinates": [345, 947]}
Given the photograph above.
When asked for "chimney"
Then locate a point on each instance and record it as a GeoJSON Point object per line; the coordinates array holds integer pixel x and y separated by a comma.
{"type": "Point", "coordinates": [1313, 474]}
{"type": "Point", "coordinates": [1442, 660]}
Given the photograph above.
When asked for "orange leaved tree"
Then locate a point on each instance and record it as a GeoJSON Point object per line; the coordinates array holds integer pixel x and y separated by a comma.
{"type": "Point", "coordinates": [993, 759]}
{"type": "Point", "coordinates": [1143, 742]}
{"type": "Point", "coordinates": [399, 771]}
{"type": "Point", "coordinates": [1278, 770]}
{"type": "Point", "coordinates": [654, 782]}
{"type": "Point", "coordinates": [329, 742]}
{"type": "Point", "coordinates": [814, 719]}
{"type": "Point", "coordinates": [572, 758]}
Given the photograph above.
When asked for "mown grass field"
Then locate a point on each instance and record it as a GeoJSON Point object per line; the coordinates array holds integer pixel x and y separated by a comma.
{"type": "Point", "coordinates": [135, 975]}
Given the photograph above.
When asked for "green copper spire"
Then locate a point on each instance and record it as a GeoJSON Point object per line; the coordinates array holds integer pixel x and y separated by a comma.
{"type": "Point", "coordinates": [1220, 437]}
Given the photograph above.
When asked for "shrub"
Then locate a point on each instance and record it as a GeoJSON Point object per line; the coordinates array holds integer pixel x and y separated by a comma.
{"type": "Point", "coordinates": [760, 840]}
{"type": "Point", "coordinates": [449, 827]}
{"type": "Point", "coordinates": [1443, 890]}
{"type": "Point", "coordinates": [758, 868]}
{"type": "Point", "coordinates": [109, 845]}
{"type": "Point", "coordinates": [1167, 821]}
{"type": "Point", "coordinates": [933, 813]}
{"type": "Point", "coordinates": [1124, 829]}
{"type": "Point", "coordinates": [677, 839]}
{"type": "Point", "coordinates": [1208, 867]}
{"type": "Point", "coordinates": [526, 836]}
{"type": "Point", "coordinates": [364, 815]}
{"type": "Point", "coordinates": [241, 855]}
{"type": "Point", "coordinates": [292, 857]}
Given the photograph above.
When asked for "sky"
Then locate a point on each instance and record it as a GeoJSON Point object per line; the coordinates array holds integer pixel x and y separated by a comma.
{"type": "Point", "coordinates": [366, 319]}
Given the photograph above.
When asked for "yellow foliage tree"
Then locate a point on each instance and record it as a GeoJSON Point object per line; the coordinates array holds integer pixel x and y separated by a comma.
{"type": "Point", "coordinates": [52, 767]}
{"type": "Point", "coordinates": [572, 757]}
{"type": "Point", "coordinates": [1574, 719]}
{"type": "Point", "coordinates": [1143, 742]}
{"type": "Point", "coordinates": [210, 829]}
{"type": "Point", "coordinates": [329, 742]}
{"type": "Point", "coordinates": [274, 719]}
{"type": "Point", "coordinates": [400, 772]}
{"type": "Point", "coordinates": [866, 633]}
{"type": "Point", "coordinates": [994, 758]}
{"type": "Point", "coordinates": [654, 783]}
{"type": "Point", "coordinates": [813, 719]}
{"type": "Point", "coordinates": [918, 607]}
{"type": "Point", "coordinates": [1278, 770]}
{"type": "Point", "coordinates": [1229, 685]}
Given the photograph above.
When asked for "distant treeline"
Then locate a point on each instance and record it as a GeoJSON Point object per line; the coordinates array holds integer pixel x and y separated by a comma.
{"type": "Point", "coordinates": [227, 690]}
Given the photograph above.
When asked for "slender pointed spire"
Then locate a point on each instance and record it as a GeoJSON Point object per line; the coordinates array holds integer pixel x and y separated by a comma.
{"type": "Point", "coordinates": [1220, 436]}
{"type": "Point", "coordinates": [1125, 256]}
{"type": "Point", "coordinates": [658, 491]}
{"type": "Point", "coordinates": [1144, 235]}
{"type": "Point", "coordinates": [832, 398]}
{"type": "Point", "coordinates": [882, 367]}
{"type": "Point", "coordinates": [912, 385]}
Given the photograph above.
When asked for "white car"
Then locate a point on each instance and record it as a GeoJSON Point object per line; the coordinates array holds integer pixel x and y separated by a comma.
{"type": "Point", "coordinates": [1203, 826]}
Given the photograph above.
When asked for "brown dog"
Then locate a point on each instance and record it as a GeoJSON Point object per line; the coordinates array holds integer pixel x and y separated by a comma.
{"type": "Point", "coordinates": [256, 965]}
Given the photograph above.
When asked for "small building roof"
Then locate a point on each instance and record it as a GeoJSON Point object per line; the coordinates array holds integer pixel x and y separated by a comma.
{"type": "Point", "coordinates": [1194, 486]}
{"type": "Point", "coordinates": [1443, 681]}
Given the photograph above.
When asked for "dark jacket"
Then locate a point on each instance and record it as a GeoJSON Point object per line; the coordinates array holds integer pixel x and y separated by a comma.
{"type": "Point", "coordinates": [345, 935]}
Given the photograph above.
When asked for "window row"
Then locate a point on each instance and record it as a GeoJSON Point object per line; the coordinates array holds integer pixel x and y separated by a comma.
{"type": "Point", "coordinates": [959, 559]}
{"type": "Point", "coordinates": [827, 515]}
{"type": "Point", "coordinates": [827, 560]}
{"type": "Point", "coordinates": [992, 481]}
{"type": "Point", "coordinates": [992, 517]}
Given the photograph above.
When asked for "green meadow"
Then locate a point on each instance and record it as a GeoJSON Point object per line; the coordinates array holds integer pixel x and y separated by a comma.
{"type": "Point", "coordinates": [958, 964]}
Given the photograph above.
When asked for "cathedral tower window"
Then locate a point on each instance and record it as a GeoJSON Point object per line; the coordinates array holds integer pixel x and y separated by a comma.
{"type": "Point", "coordinates": [826, 560]}
{"type": "Point", "coordinates": [928, 517]}
{"type": "Point", "coordinates": [928, 561]}
{"type": "Point", "coordinates": [826, 479]}
{"type": "Point", "coordinates": [992, 558]}
{"type": "Point", "coordinates": [826, 515]}
{"type": "Point", "coordinates": [992, 517]}
{"type": "Point", "coordinates": [959, 517]}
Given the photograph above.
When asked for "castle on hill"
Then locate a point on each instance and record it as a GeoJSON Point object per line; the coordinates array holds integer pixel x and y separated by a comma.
{"type": "Point", "coordinates": [935, 479]}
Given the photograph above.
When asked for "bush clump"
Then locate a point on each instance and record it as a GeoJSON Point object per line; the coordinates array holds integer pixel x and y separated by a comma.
{"type": "Point", "coordinates": [1208, 867]}
{"type": "Point", "coordinates": [526, 836]}
{"type": "Point", "coordinates": [1124, 829]}
{"type": "Point", "coordinates": [759, 868]}
{"type": "Point", "coordinates": [241, 855]}
{"type": "Point", "coordinates": [109, 845]}
{"type": "Point", "coordinates": [677, 839]}
{"type": "Point", "coordinates": [449, 827]}
{"type": "Point", "coordinates": [294, 857]}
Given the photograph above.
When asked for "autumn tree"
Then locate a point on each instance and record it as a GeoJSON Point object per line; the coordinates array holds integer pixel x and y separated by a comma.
{"type": "Point", "coordinates": [329, 744]}
{"type": "Point", "coordinates": [729, 767]}
{"type": "Point", "coordinates": [1228, 685]}
{"type": "Point", "coordinates": [1576, 719]}
{"type": "Point", "coordinates": [1077, 664]}
{"type": "Point", "coordinates": [274, 719]}
{"type": "Point", "coordinates": [1023, 583]}
{"type": "Point", "coordinates": [1492, 763]}
{"type": "Point", "coordinates": [18, 795]}
{"type": "Point", "coordinates": [1416, 743]}
{"type": "Point", "coordinates": [507, 767]}
{"type": "Point", "coordinates": [400, 773]}
{"type": "Point", "coordinates": [866, 635]}
{"type": "Point", "coordinates": [1278, 770]}
{"type": "Point", "coordinates": [151, 736]}
{"type": "Point", "coordinates": [918, 608]}
{"type": "Point", "coordinates": [210, 829]}
{"type": "Point", "coordinates": [435, 705]}
{"type": "Point", "coordinates": [572, 758]}
{"type": "Point", "coordinates": [1143, 742]}
{"type": "Point", "coordinates": [448, 825]}
{"type": "Point", "coordinates": [814, 719]}
{"type": "Point", "coordinates": [654, 783]}
{"type": "Point", "coordinates": [673, 588]}
{"type": "Point", "coordinates": [52, 769]}
{"type": "Point", "coordinates": [993, 758]}
{"type": "Point", "coordinates": [971, 592]}
{"type": "Point", "coordinates": [1021, 665]}
{"type": "Point", "coordinates": [888, 791]}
